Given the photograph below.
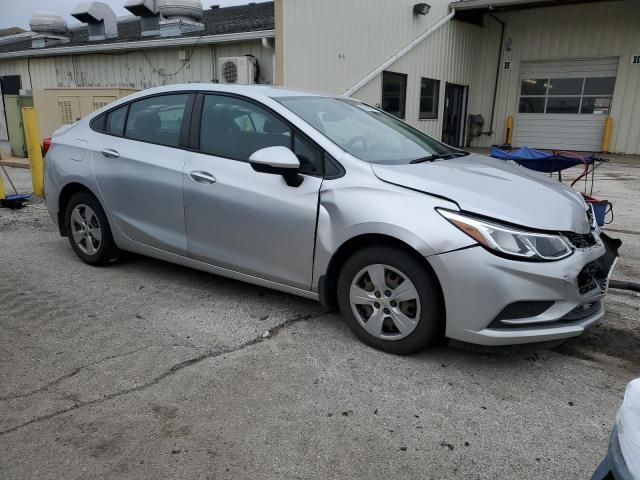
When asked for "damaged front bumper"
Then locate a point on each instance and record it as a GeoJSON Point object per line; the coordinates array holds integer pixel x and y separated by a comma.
{"type": "Point", "coordinates": [490, 300]}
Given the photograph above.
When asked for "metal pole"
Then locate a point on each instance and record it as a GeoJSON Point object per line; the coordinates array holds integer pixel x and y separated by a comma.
{"type": "Point", "coordinates": [398, 55]}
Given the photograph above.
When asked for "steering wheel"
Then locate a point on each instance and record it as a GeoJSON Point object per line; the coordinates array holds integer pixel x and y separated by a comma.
{"type": "Point", "coordinates": [362, 140]}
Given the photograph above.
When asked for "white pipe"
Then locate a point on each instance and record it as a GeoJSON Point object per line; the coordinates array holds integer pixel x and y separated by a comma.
{"type": "Point", "coordinates": [398, 55]}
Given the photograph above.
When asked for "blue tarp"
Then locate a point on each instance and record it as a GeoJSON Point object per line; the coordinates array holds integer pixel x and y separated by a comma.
{"type": "Point", "coordinates": [540, 161]}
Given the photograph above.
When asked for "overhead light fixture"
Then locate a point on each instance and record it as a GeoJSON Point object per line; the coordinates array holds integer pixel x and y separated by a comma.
{"type": "Point", "coordinates": [508, 46]}
{"type": "Point", "coordinates": [421, 8]}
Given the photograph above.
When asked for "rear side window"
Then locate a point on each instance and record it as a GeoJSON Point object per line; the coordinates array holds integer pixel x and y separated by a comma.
{"type": "Point", "coordinates": [235, 128]}
{"type": "Point", "coordinates": [156, 119]}
{"type": "Point", "coordinates": [114, 124]}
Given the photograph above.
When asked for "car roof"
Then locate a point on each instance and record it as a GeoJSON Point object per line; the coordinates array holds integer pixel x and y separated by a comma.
{"type": "Point", "coordinates": [254, 91]}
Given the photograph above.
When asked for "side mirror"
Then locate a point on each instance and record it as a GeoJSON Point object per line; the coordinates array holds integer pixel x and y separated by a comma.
{"type": "Point", "coordinates": [277, 161]}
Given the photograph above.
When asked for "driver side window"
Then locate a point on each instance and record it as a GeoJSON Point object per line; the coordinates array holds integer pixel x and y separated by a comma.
{"type": "Point", "coordinates": [234, 128]}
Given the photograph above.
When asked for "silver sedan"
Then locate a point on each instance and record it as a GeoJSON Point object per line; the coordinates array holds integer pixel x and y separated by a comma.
{"type": "Point", "coordinates": [334, 200]}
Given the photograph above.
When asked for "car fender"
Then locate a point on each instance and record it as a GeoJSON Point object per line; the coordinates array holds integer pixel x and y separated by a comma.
{"type": "Point", "coordinates": [347, 211]}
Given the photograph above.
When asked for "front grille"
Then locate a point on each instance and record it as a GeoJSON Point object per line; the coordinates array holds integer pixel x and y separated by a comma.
{"type": "Point", "coordinates": [581, 240]}
{"type": "Point", "coordinates": [591, 278]}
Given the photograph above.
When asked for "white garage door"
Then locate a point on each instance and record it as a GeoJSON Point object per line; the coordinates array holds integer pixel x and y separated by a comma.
{"type": "Point", "coordinates": [563, 104]}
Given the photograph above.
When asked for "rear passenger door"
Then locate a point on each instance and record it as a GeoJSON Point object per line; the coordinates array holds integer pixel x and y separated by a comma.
{"type": "Point", "coordinates": [241, 219]}
{"type": "Point", "coordinates": [139, 161]}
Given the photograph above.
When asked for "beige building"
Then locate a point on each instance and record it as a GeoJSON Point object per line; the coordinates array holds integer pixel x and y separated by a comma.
{"type": "Point", "coordinates": [558, 68]}
{"type": "Point", "coordinates": [69, 73]}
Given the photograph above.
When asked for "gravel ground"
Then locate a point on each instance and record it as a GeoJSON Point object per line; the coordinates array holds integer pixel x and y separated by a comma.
{"type": "Point", "coordinates": [150, 370]}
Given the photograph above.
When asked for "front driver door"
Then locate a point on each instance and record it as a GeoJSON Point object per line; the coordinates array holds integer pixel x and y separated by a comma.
{"type": "Point", "coordinates": [240, 219]}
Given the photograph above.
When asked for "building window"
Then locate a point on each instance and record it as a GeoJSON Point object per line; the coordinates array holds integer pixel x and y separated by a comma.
{"type": "Point", "coordinates": [567, 95]}
{"type": "Point", "coordinates": [429, 95]}
{"type": "Point", "coordinates": [394, 93]}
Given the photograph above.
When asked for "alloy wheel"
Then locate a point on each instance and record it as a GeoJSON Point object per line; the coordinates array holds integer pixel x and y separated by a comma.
{"type": "Point", "coordinates": [85, 229]}
{"type": "Point", "coordinates": [385, 302]}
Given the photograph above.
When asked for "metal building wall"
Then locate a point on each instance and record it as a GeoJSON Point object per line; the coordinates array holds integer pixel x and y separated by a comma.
{"type": "Point", "coordinates": [330, 45]}
{"type": "Point", "coordinates": [607, 29]}
{"type": "Point", "coordinates": [135, 69]}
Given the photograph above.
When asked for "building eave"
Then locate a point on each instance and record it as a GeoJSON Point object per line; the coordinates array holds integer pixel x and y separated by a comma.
{"type": "Point", "coordinates": [140, 44]}
{"type": "Point", "coordinates": [502, 5]}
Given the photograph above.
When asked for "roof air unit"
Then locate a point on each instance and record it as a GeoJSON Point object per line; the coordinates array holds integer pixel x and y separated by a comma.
{"type": "Point", "coordinates": [149, 15]}
{"type": "Point", "coordinates": [180, 17]}
{"type": "Point", "coordinates": [50, 29]}
{"type": "Point", "coordinates": [100, 19]}
{"type": "Point", "coordinates": [237, 70]}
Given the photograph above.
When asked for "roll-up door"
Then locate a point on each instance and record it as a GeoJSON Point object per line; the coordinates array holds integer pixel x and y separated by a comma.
{"type": "Point", "coordinates": [563, 104]}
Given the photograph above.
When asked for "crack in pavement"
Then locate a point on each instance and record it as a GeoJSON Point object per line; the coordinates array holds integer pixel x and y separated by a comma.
{"type": "Point", "coordinates": [79, 369]}
{"type": "Point", "coordinates": [173, 370]}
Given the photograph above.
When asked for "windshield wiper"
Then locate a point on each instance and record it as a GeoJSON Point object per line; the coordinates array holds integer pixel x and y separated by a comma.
{"type": "Point", "coordinates": [440, 156]}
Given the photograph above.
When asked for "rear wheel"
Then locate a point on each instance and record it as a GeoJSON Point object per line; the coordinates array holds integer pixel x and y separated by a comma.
{"type": "Point", "coordinates": [390, 300]}
{"type": "Point", "coordinates": [89, 232]}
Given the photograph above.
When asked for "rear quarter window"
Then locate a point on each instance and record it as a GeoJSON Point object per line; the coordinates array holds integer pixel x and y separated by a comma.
{"type": "Point", "coordinates": [111, 122]}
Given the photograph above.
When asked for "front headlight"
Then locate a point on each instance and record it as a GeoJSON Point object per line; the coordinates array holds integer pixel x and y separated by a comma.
{"type": "Point", "coordinates": [509, 241]}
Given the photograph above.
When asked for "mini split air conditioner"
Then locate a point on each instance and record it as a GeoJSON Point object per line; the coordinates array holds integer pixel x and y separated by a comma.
{"type": "Point", "coordinates": [237, 70]}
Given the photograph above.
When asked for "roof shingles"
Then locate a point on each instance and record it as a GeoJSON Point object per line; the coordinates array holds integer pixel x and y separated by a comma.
{"type": "Point", "coordinates": [243, 18]}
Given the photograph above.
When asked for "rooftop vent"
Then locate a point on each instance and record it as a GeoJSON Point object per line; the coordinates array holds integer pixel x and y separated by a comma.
{"type": "Point", "coordinates": [49, 29]}
{"type": "Point", "coordinates": [180, 17]}
{"type": "Point", "coordinates": [149, 15]}
{"type": "Point", "coordinates": [100, 19]}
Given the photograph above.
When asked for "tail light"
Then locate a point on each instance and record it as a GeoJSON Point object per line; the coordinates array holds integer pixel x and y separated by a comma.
{"type": "Point", "coordinates": [46, 143]}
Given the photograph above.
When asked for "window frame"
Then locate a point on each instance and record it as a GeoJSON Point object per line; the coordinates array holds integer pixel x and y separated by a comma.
{"type": "Point", "coordinates": [184, 127]}
{"type": "Point", "coordinates": [191, 123]}
{"type": "Point", "coordinates": [436, 100]}
{"type": "Point", "coordinates": [581, 97]}
{"type": "Point", "coordinates": [196, 126]}
{"type": "Point", "coordinates": [404, 77]}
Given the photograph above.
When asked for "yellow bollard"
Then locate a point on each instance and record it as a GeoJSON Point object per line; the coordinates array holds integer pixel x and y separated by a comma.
{"type": "Point", "coordinates": [32, 138]}
{"type": "Point", "coordinates": [509, 130]}
{"type": "Point", "coordinates": [2, 194]}
{"type": "Point", "coordinates": [606, 138]}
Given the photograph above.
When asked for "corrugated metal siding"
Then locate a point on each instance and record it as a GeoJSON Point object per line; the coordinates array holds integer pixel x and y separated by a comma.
{"type": "Point", "coordinates": [599, 67]}
{"type": "Point", "coordinates": [330, 45]}
{"type": "Point", "coordinates": [561, 132]}
{"type": "Point", "coordinates": [136, 69]}
{"type": "Point", "coordinates": [588, 31]}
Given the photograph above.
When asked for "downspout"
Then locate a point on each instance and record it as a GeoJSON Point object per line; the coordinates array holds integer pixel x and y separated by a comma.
{"type": "Point", "coordinates": [370, 76]}
{"type": "Point", "coordinates": [495, 87]}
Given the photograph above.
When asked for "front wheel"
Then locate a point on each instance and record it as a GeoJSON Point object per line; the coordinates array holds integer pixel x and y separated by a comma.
{"type": "Point", "coordinates": [390, 300]}
{"type": "Point", "coordinates": [89, 232]}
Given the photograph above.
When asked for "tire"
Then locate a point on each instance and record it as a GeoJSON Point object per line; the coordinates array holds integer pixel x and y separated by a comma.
{"type": "Point", "coordinates": [406, 326]}
{"type": "Point", "coordinates": [88, 230]}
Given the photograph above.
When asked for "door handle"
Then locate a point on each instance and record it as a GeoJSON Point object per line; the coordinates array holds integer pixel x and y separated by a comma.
{"type": "Point", "coordinates": [202, 177]}
{"type": "Point", "coordinates": [110, 153]}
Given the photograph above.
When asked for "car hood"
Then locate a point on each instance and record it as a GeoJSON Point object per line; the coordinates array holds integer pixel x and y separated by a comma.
{"type": "Point", "coordinates": [496, 189]}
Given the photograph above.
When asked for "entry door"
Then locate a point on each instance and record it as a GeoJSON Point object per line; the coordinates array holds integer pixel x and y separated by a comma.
{"type": "Point", "coordinates": [241, 219]}
{"type": "Point", "coordinates": [455, 112]}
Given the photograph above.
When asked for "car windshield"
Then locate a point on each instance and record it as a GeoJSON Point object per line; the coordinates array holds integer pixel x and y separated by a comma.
{"type": "Point", "coordinates": [366, 132]}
